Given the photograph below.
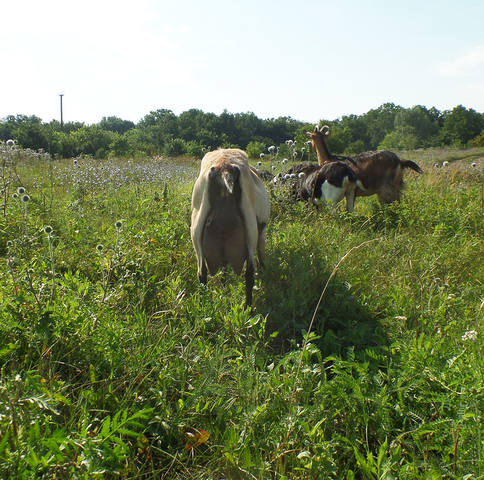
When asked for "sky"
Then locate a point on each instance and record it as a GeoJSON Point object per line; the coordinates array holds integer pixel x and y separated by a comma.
{"type": "Point", "coordinates": [306, 59]}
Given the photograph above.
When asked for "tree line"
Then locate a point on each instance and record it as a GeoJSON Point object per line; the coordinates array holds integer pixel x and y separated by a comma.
{"type": "Point", "coordinates": [192, 132]}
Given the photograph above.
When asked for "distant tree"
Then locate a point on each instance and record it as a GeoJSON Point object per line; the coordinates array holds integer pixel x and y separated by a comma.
{"type": "Point", "coordinates": [119, 146]}
{"type": "Point", "coordinates": [355, 147]}
{"type": "Point", "coordinates": [116, 124]}
{"type": "Point", "coordinates": [478, 141]}
{"type": "Point", "coordinates": [248, 128]}
{"type": "Point", "coordinates": [195, 149]}
{"type": "Point", "coordinates": [92, 140]}
{"type": "Point", "coordinates": [461, 125]}
{"type": "Point", "coordinates": [379, 122]}
{"type": "Point", "coordinates": [142, 141]}
{"type": "Point", "coordinates": [398, 140]}
{"type": "Point", "coordinates": [418, 123]}
{"type": "Point", "coordinates": [254, 149]}
{"type": "Point", "coordinates": [175, 147]}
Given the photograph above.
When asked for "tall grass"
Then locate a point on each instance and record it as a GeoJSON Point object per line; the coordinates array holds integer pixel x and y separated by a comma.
{"type": "Point", "coordinates": [118, 364]}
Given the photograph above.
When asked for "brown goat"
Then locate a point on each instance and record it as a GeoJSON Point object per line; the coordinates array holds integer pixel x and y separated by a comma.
{"type": "Point", "coordinates": [230, 210]}
{"type": "Point", "coordinates": [380, 172]}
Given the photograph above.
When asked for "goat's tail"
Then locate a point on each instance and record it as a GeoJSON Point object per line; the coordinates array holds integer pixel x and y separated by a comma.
{"type": "Point", "coordinates": [412, 165]}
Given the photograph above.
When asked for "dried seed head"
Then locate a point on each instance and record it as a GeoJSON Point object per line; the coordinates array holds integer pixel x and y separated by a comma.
{"type": "Point", "coordinates": [20, 190]}
{"type": "Point", "coordinates": [118, 224]}
{"type": "Point", "coordinates": [10, 142]}
{"type": "Point", "coordinates": [100, 247]}
{"type": "Point", "coordinates": [48, 229]}
{"type": "Point", "coordinates": [25, 198]}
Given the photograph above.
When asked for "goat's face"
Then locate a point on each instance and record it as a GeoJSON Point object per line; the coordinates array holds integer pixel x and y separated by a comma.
{"type": "Point", "coordinates": [223, 178]}
{"type": "Point", "coordinates": [318, 139]}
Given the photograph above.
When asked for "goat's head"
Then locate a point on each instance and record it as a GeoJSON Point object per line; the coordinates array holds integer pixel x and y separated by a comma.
{"type": "Point", "coordinates": [224, 178]}
{"type": "Point", "coordinates": [318, 141]}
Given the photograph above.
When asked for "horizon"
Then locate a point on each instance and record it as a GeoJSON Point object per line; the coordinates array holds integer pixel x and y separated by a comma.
{"type": "Point", "coordinates": [311, 62]}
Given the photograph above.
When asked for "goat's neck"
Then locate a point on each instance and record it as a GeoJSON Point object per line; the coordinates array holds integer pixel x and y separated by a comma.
{"type": "Point", "coordinates": [322, 150]}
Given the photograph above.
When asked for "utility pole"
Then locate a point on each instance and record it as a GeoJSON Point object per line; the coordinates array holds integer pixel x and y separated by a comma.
{"type": "Point", "coordinates": [62, 118]}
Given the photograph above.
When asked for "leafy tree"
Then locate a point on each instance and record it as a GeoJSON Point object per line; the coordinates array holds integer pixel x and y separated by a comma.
{"type": "Point", "coordinates": [92, 140]}
{"type": "Point", "coordinates": [116, 124]}
{"type": "Point", "coordinates": [254, 149]}
{"type": "Point", "coordinates": [398, 140]}
{"type": "Point", "coordinates": [418, 123]}
{"type": "Point", "coordinates": [461, 125]}
{"type": "Point", "coordinates": [175, 147]}
{"type": "Point", "coordinates": [195, 149]}
{"type": "Point", "coordinates": [379, 122]}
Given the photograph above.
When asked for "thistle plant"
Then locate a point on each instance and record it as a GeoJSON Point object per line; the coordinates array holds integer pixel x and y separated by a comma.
{"type": "Point", "coordinates": [6, 174]}
{"type": "Point", "coordinates": [10, 262]}
{"type": "Point", "coordinates": [49, 231]}
{"type": "Point", "coordinates": [119, 226]}
{"type": "Point", "coordinates": [100, 251]}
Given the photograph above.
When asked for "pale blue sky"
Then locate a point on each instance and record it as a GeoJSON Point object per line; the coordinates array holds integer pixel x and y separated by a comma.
{"type": "Point", "coordinates": [305, 59]}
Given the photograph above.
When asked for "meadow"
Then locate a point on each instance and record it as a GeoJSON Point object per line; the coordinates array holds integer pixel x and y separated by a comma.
{"type": "Point", "coordinates": [361, 359]}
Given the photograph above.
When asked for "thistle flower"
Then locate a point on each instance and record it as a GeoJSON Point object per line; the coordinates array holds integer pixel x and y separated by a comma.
{"type": "Point", "coordinates": [272, 149]}
{"type": "Point", "coordinates": [261, 155]}
{"type": "Point", "coordinates": [473, 164]}
{"type": "Point", "coordinates": [10, 142]}
{"type": "Point", "coordinates": [25, 198]}
{"type": "Point", "coordinates": [284, 161]}
{"type": "Point", "coordinates": [20, 190]}
{"type": "Point", "coordinates": [469, 335]}
{"type": "Point", "coordinates": [287, 176]}
{"type": "Point", "coordinates": [48, 230]}
{"type": "Point", "coordinates": [118, 224]}
{"type": "Point", "coordinates": [14, 195]}
{"type": "Point", "coordinates": [301, 175]}
{"type": "Point", "coordinates": [445, 164]}
{"type": "Point", "coordinates": [259, 164]}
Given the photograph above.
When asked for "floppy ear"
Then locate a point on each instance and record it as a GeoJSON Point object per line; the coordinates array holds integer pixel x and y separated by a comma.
{"type": "Point", "coordinates": [308, 134]}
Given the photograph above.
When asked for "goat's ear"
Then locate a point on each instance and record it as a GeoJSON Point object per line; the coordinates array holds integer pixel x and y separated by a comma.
{"type": "Point", "coordinates": [308, 134]}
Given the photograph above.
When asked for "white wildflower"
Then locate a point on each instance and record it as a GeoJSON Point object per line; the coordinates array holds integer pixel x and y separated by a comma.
{"type": "Point", "coordinates": [469, 335]}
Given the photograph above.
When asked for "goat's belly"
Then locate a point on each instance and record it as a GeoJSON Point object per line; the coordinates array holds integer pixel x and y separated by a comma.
{"type": "Point", "coordinates": [224, 243]}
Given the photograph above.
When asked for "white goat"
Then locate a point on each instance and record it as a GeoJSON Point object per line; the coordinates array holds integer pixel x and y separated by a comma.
{"type": "Point", "coordinates": [230, 211]}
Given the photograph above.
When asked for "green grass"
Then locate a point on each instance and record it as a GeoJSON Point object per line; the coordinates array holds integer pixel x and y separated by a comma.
{"type": "Point", "coordinates": [112, 362]}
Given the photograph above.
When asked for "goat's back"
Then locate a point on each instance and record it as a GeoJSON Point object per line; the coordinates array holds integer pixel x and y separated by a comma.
{"type": "Point", "coordinates": [376, 169]}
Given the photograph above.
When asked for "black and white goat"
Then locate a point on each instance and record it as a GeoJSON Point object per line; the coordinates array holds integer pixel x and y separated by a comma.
{"type": "Point", "coordinates": [230, 211]}
{"type": "Point", "coordinates": [325, 183]}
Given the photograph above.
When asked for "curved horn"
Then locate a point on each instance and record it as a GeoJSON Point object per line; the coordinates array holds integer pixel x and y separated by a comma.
{"type": "Point", "coordinates": [316, 128]}
{"type": "Point", "coordinates": [325, 130]}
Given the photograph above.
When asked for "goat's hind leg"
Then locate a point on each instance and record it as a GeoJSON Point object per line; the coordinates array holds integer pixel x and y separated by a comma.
{"type": "Point", "coordinates": [261, 244]}
{"type": "Point", "coordinates": [249, 282]}
{"type": "Point", "coordinates": [202, 276]}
